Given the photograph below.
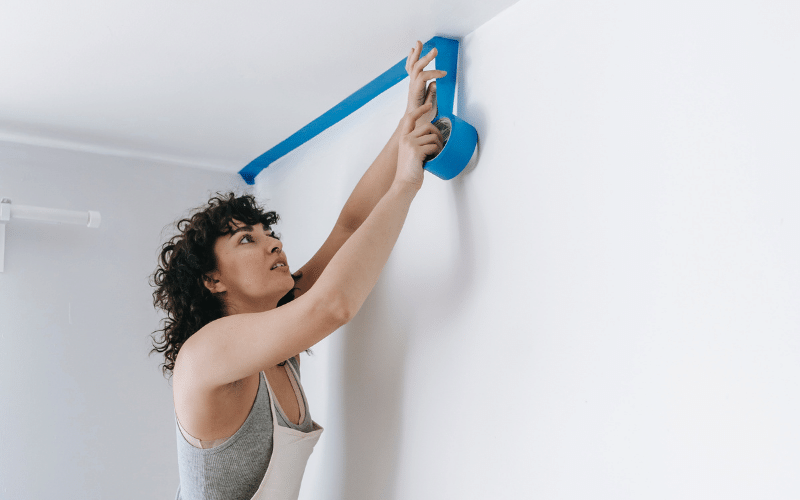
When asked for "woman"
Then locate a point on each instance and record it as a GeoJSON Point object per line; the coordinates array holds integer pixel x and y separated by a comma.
{"type": "Point", "coordinates": [235, 315]}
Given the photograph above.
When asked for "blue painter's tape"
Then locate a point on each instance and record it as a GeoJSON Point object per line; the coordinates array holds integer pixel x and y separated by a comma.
{"type": "Point", "coordinates": [446, 59]}
{"type": "Point", "coordinates": [463, 138]}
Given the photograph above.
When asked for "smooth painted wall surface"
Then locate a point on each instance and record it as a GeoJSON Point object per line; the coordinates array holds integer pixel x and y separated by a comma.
{"type": "Point", "coordinates": [607, 305]}
{"type": "Point", "coordinates": [85, 413]}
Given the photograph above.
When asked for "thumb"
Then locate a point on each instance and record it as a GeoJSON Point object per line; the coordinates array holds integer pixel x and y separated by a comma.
{"type": "Point", "coordinates": [430, 96]}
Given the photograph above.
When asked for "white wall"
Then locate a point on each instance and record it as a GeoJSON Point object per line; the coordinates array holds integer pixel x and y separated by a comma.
{"type": "Point", "coordinates": [607, 305]}
{"type": "Point", "coordinates": [84, 412]}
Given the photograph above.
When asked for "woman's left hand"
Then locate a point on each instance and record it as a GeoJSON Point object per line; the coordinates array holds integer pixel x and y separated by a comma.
{"type": "Point", "coordinates": [417, 142]}
{"type": "Point", "coordinates": [418, 94]}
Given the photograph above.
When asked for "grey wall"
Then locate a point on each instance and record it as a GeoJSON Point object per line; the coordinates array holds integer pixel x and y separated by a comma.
{"type": "Point", "coordinates": [85, 412]}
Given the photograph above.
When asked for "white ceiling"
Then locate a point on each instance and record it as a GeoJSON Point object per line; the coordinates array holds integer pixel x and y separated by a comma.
{"type": "Point", "coordinates": [207, 84]}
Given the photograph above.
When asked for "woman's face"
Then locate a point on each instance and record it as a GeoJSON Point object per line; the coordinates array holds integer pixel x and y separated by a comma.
{"type": "Point", "coordinates": [251, 268]}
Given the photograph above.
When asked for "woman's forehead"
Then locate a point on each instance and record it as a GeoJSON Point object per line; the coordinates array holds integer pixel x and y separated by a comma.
{"type": "Point", "coordinates": [236, 224]}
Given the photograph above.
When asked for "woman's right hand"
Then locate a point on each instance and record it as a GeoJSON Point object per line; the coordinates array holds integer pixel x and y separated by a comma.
{"type": "Point", "coordinates": [417, 140]}
{"type": "Point", "coordinates": [418, 93]}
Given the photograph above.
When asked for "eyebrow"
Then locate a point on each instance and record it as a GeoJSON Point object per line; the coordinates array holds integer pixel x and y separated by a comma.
{"type": "Point", "coordinates": [248, 228]}
{"type": "Point", "coordinates": [239, 229]}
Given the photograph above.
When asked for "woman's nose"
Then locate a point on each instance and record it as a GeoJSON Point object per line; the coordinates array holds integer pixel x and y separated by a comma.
{"type": "Point", "coordinates": [275, 246]}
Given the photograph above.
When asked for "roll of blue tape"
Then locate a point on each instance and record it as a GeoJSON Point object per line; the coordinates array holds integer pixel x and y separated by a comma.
{"type": "Point", "coordinates": [460, 145]}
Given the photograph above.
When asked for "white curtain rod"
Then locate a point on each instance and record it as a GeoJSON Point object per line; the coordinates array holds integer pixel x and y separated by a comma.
{"type": "Point", "coordinates": [10, 211]}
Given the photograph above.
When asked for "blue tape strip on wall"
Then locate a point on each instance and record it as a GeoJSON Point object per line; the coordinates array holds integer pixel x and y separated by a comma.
{"type": "Point", "coordinates": [462, 139]}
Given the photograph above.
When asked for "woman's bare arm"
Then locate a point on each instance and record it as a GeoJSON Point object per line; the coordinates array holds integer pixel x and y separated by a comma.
{"type": "Point", "coordinates": [379, 176]}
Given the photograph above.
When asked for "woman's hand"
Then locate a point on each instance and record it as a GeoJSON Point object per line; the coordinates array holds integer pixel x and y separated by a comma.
{"type": "Point", "coordinates": [417, 92]}
{"type": "Point", "coordinates": [417, 140]}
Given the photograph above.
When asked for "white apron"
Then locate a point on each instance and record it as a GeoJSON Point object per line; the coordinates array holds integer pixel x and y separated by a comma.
{"type": "Point", "coordinates": [290, 451]}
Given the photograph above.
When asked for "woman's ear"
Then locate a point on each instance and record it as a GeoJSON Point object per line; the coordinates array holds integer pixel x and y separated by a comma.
{"type": "Point", "coordinates": [212, 282]}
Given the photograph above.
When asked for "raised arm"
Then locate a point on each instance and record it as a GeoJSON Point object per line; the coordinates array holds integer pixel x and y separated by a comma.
{"type": "Point", "coordinates": [376, 181]}
{"type": "Point", "coordinates": [236, 346]}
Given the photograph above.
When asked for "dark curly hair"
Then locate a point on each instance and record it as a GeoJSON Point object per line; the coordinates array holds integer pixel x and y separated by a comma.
{"type": "Point", "coordinates": [183, 265]}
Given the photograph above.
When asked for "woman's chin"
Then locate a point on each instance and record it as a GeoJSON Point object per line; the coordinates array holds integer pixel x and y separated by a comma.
{"type": "Point", "coordinates": [289, 285]}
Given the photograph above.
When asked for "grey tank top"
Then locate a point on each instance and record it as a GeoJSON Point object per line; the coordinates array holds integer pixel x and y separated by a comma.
{"type": "Point", "coordinates": [234, 469]}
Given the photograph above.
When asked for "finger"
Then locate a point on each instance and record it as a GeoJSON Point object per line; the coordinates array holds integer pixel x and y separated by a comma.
{"type": "Point", "coordinates": [422, 132]}
{"type": "Point", "coordinates": [438, 133]}
{"type": "Point", "coordinates": [413, 116]}
{"type": "Point", "coordinates": [431, 149]}
{"type": "Point", "coordinates": [428, 140]}
{"type": "Point", "coordinates": [421, 110]}
{"type": "Point", "coordinates": [419, 65]}
{"type": "Point", "coordinates": [427, 129]}
{"type": "Point", "coordinates": [413, 57]}
{"type": "Point", "coordinates": [431, 74]}
{"type": "Point", "coordinates": [417, 113]}
{"type": "Point", "coordinates": [430, 95]}
{"type": "Point", "coordinates": [417, 86]}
